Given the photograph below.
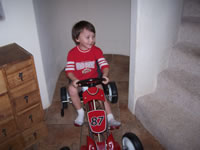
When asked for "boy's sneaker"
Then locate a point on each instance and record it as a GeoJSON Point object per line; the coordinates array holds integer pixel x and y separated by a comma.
{"type": "Point", "coordinates": [78, 122]}
{"type": "Point", "coordinates": [114, 124]}
{"type": "Point", "coordinates": [80, 118]}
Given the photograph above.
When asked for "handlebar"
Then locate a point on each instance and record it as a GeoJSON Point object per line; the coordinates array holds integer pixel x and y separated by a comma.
{"type": "Point", "coordinates": [91, 82]}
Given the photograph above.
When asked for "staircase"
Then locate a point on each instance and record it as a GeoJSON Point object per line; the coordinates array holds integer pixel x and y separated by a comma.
{"type": "Point", "coordinates": [172, 112]}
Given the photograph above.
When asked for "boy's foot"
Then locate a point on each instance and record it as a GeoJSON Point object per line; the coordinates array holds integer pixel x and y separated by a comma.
{"type": "Point", "coordinates": [78, 122]}
{"type": "Point", "coordinates": [114, 123]}
{"type": "Point", "coordinates": [80, 118]}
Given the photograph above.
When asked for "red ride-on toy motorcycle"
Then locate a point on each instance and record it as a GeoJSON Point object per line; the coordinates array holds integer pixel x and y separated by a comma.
{"type": "Point", "coordinates": [100, 137]}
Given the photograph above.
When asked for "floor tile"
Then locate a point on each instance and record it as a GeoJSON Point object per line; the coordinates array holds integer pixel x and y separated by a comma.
{"type": "Point", "coordinates": [61, 135]}
{"type": "Point", "coordinates": [120, 59]}
{"type": "Point", "coordinates": [54, 114]}
{"type": "Point", "coordinates": [119, 73]}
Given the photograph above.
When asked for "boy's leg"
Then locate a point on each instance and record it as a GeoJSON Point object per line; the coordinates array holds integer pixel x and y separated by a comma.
{"type": "Point", "coordinates": [107, 107]}
{"type": "Point", "coordinates": [110, 117]}
{"type": "Point", "coordinates": [73, 92]}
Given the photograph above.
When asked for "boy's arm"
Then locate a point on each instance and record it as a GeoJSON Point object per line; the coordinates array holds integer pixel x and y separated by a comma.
{"type": "Point", "coordinates": [105, 75]}
{"type": "Point", "coordinates": [72, 77]}
{"type": "Point", "coordinates": [105, 72]}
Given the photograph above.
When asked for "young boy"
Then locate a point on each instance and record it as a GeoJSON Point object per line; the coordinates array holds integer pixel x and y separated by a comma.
{"type": "Point", "coordinates": [81, 65]}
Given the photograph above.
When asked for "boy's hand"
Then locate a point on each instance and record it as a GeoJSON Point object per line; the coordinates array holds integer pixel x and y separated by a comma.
{"type": "Point", "coordinates": [106, 81]}
{"type": "Point", "coordinates": [74, 83]}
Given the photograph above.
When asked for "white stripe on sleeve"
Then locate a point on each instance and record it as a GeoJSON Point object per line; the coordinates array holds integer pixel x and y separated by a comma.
{"type": "Point", "coordinates": [70, 66]}
{"type": "Point", "coordinates": [67, 69]}
{"type": "Point", "coordinates": [104, 64]}
{"type": "Point", "coordinates": [70, 62]}
{"type": "Point", "coordinates": [101, 59]}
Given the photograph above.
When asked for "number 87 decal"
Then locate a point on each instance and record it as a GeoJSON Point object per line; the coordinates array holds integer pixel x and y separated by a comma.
{"type": "Point", "coordinates": [96, 121]}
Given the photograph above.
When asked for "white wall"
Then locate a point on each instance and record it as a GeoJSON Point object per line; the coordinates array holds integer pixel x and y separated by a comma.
{"type": "Point", "coordinates": [133, 46]}
{"type": "Point", "coordinates": [55, 20]}
{"type": "Point", "coordinates": [156, 26]}
{"type": "Point", "coordinates": [43, 14]}
{"type": "Point", "coordinates": [19, 26]}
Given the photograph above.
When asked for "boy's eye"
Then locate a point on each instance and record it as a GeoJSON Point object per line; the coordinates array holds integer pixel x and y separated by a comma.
{"type": "Point", "coordinates": [92, 37]}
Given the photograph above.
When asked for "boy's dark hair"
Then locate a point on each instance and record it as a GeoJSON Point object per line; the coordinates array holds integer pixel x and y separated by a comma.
{"type": "Point", "coordinates": [78, 28]}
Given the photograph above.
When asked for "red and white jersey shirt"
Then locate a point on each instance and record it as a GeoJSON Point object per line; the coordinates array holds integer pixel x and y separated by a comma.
{"type": "Point", "coordinates": [83, 62]}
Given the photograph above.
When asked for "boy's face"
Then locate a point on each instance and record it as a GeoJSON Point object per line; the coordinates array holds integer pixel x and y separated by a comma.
{"type": "Point", "coordinates": [86, 39]}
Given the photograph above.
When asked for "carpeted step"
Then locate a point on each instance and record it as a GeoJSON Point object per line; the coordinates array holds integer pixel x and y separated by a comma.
{"type": "Point", "coordinates": [190, 30]}
{"type": "Point", "coordinates": [172, 113]}
{"type": "Point", "coordinates": [181, 87]}
{"type": "Point", "coordinates": [185, 56]}
{"type": "Point", "coordinates": [191, 8]}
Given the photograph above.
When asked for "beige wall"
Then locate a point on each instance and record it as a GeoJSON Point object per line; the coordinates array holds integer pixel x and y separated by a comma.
{"type": "Point", "coordinates": [56, 18]}
{"type": "Point", "coordinates": [54, 22]}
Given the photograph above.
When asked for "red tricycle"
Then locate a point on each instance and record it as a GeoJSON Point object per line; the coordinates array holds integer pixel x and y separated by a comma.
{"type": "Point", "coordinates": [100, 137]}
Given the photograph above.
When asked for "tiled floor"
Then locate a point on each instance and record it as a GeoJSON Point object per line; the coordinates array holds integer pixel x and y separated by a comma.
{"type": "Point", "coordinates": [61, 130]}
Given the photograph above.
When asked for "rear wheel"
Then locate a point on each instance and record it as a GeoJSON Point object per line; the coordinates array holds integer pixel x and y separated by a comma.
{"type": "Point", "coordinates": [111, 92]}
{"type": "Point", "coordinates": [63, 98]}
{"type": "Point", "coordinates": [62, 112]}
{"type": "Point", "coordinates": [63, 94]}
{"type": "Point", "coordinates": [131, 142]}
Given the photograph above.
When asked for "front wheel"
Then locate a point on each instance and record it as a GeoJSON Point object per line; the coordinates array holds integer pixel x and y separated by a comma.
{"type": "Point", "coordinates": [131, 142]}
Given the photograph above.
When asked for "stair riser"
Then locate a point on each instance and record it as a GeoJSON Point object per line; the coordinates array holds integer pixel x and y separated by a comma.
{"type": "Point", "coordinates": [191, 8]}
{"type": "Point", "coordinates": [189, 32]}
{"type": "Point", "coordinates": [185, 58]}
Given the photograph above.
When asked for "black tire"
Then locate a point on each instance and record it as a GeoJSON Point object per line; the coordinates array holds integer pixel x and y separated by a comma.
{"type": "Point", "coordinates": [111, 92]}
{"type": "Point", "coordinates": [62, 113]}
{"type": "Point", "coordinates": [65, 148]}
{"type": "Point", "coordinates": [63, 98]}
{"type": "Point", "coordinates": [63, 94]}
{"type": "Point", "coordinates": [65, 105]}
{"type": "Point", "coordinates": [131, 142]}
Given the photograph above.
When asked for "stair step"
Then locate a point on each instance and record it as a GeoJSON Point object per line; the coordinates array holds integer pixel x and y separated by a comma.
{"type": "Point", "coordinates": [171, 124]}
{"type": "Point", "coordinates": [191, 8]}
{"type": "Point", "coordinates": [186, 56]}
{"type": "Point", "coordinates": [172, 113]}
{"type": "Point", "coordinates": [181, 87]}
{"type": "Point", "coordinates": [190, 30]}
{"type": "Point", "coordinates": [191, 19]}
